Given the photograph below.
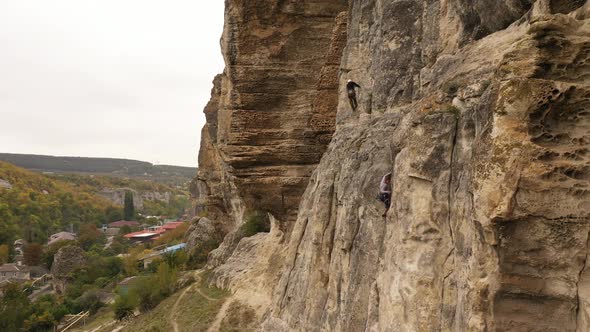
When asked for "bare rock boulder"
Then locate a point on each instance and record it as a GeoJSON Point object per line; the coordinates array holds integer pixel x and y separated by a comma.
{"type": "Point", "coordinates": [202, 237]}
{"type": "Point", "coordinates": [65, 261]}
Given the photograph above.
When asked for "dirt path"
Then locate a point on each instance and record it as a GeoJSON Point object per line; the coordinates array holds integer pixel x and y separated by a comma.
{"type": "Point", "coordinates": [216, 325]}
{"type": "Point", "coordinates": [198, 281]}
{"type": "Point", "coordinates": [107, 324]}
{"type": "Point", "coordinates": [172, 317]}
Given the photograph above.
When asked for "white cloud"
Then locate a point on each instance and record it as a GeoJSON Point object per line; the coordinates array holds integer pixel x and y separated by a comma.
{"type": "Point", "coordinates": [109, 78]}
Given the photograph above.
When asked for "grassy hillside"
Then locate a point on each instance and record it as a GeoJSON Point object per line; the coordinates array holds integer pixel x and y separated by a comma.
{"type": "Point", "coordinates": [193, 308]}
{"type": "Point", "coordinates": [173, 175]}
{"type": "Point", "coordinates": [37, 206]}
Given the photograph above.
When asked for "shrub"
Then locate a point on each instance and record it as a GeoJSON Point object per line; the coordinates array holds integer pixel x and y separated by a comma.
{"type": "Point", "coordinates": [123, 306]}
{"type": "Point", "coordinates": [147, 292]}
{"type": "Point", "coordinates": [39, 322]}
{"type": "Point", "coordinates": [90, 301]}
{"type": "Point", "coordinates": [255, 223]}
{"type": "Point", "coordinates": [198, 256]}
{"type": "Point", "coordinates": [176, 259]}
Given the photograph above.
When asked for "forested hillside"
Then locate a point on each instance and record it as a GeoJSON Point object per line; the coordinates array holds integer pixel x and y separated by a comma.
{"type": "Point", "coordinates": [172, 207]}
{"type": "Point", "coordinates": [37, 206]}
{"type": "Point", "coordinates": [34, 205]}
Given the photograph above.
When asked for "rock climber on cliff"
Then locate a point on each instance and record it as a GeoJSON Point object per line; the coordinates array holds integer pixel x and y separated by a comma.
{"type": "Point", "coordinates": [351, 91]}
{"type": "Point", "coordinates": [385, 192]}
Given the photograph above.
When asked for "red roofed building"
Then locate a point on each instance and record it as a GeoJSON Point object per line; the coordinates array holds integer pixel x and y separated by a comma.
{"type": "Point", "coordinates": [121, 223]}
{"type": "Point", "coordinates": [172, 225]}
{"type": "Point", "coordinates": [144, 236]}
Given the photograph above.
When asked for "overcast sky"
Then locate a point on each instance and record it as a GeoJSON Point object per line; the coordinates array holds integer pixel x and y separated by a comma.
{"type": "Point", "coordinates": [107, 78]}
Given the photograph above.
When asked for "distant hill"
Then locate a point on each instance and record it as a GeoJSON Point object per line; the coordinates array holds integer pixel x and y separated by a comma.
{"type": "Point", "coordinates": [33, 205]}
{"type": "Point", "coordinates": [172, 175]}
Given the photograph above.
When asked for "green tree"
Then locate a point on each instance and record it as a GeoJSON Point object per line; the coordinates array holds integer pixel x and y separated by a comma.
{"type": "Point", "coordinates": [45, 313]}
{"type": "Point", "coordinates": [40, 322]}
{"type": "Point", "coordinates": [14, 308]}
{"type": "Point", "coordinates": [120, 244]}
{"type": "Point", "coordinates": [126, 229]}
{"type": "Point", "coordinates": [113, 214]}
{"type": "Point", "coordinates": [176, 259]}
{"type": "Point", "coordinates": [124, 305]}
{"type": "Point", "coordinates": [129, 209]}
{"type": "Point", "coordinates": [90, 301]}
{"type": "Point", "coordinates": [90, 235]}
{"type": "Point", "coordinates": [152, 289]}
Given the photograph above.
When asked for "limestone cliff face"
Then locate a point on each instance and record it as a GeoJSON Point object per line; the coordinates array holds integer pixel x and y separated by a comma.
{"type": "Point", "coordinates": [117, 196]}
{"type": "Point", "coordinates": [258, 137]}
{"type": "Point", "coordinates": [481, 111]}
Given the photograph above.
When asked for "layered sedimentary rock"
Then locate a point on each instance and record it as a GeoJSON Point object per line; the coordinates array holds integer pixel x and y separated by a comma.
{"type": "Point", "coordinates": [258, 140]}
{"type": "Point", "coordinates": [481, 112]}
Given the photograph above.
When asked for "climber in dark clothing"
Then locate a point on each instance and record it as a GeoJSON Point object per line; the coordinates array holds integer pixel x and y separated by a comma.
{"type": "Point", "coordinates": [351, 91]}
{"type": "Point", "coordinates": [385, 192]}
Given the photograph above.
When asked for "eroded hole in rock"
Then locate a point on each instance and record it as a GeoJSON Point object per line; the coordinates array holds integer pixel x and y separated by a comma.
{"type": "Point", "coordinates": [578, 173]}
{"type": "Point", "coordinates": [548, 155]}
{"type": "Point", "coordinates": [559, 118]}
{"type": "Point", "coordinates": [565, 6]}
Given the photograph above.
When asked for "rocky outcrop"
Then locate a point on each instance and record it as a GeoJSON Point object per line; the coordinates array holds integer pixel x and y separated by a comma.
{"type": "Point", "coordinates": [202, 236]}
{"type": "Point", "coordinates": [253, 266]}
{"type": "Point", "coordinates": [479, 109]}
{"type": "Point", "coordinates": [201, 231]}
{"type": "Point", "coordinates": [5, 184]}
{"type": "Point", "coordinates": [65, 261]}
{"type": "Point", "coordinates": [117, 196]}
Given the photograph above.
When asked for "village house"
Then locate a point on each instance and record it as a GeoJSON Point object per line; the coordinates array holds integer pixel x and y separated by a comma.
{"type": "Point", "coordinates": [149, 258]}
{"type": "Point", "coordinates": [121, 223]}
{"type": "Point", "coordinates": [152, 232]}
{"type": "Point", "coordinates": [114, 228]}
{"type": "Point", "coordinates": [144, 236]}
{"type": "Point", "coordinates": [15, 272]}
